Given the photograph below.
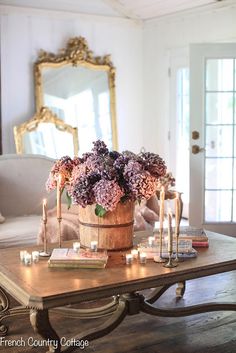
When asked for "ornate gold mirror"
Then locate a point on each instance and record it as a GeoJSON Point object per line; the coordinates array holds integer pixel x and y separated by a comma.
{"type": "Point", "coordinates": [47, 135]}
{"type": "Point", "coordinates": [80, 89]}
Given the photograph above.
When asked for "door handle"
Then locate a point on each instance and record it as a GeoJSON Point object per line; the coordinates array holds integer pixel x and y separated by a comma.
{"type": "Point", "coordinates": [196, 149]}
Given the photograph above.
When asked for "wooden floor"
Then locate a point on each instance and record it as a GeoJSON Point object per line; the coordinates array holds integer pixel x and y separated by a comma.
{"type": "Point", "coordinates": [204, 333]}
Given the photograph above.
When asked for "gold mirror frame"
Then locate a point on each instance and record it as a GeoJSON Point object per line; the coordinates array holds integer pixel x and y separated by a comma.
{"type": "Point", "coordinates": [44, 115]}
{"type": "Point", "coordinates": [77, 53]}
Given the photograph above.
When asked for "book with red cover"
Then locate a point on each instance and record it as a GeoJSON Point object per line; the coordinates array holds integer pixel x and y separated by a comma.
{"type": "Point", "coordinates": [200, 244]}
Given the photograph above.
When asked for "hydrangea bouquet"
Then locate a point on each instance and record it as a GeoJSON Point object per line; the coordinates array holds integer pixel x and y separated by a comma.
{"type": "Point", "coordinates": [105, 178]}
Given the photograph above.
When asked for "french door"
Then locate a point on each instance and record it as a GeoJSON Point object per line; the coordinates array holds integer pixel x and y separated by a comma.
{"type": "Point", "coordinates": [213, 137]}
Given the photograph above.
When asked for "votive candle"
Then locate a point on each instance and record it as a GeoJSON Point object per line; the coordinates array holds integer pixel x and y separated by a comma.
{"type": "Point", "coordinates": [35, 256]}
{"type": "Point", "coordinates": [134, 253]}
{"type": "Point", "coordinates": [129, 259]}
{"type": "Point", "coordinates": [22, 255]}
{"type": "Point", "coordinates": [76, 246]}
{"type": "Point", "coordinates": [142, 258]}
{"type": "Point", "coordinates": [94, 245]}
{"type": "Point", "coordinates": [151, 241]}
{"type": "Point", "coordinates": [28, 259]}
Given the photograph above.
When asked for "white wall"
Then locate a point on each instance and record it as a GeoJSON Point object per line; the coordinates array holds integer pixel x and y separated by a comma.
{"type": "Point", "coordinates": [163, 39]}
{"type": "Point", "coordinates": [25, 31]}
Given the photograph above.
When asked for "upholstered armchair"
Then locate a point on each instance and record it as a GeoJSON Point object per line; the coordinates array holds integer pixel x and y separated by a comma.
{"type": "Point", "coordinates": [22, 188]}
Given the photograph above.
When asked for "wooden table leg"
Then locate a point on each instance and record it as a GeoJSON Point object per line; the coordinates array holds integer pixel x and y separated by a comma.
{"type": "Point", "coordinates": [40, 322]}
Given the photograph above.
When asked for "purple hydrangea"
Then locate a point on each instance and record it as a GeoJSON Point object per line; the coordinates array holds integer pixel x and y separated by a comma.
{"type": "Point", "coordinates": [107, 194]}
{"type": "Point", "coordinates": [154, 164]}
{"type": "Point", "coordinates": [82, 192]}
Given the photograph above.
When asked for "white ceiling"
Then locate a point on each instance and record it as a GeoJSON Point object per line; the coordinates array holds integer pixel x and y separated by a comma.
{"type": "Point", "coordinates": [133, 9]}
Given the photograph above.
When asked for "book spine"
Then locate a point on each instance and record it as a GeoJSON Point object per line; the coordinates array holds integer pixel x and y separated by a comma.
{"type": "Point", "coordinates": [201, 244]}
{"type": "Point", "coordinates": [67, 266]}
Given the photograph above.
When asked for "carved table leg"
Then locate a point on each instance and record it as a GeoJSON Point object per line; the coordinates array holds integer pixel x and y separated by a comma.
{"type": "Point", "coordinates": [5, 311]}
{"type": "Point", "coordinates": [180, 290]}
{"type": "Point", "coordinates": [40, 321]}
{"type": "Point", "coordinates": [4, 305]}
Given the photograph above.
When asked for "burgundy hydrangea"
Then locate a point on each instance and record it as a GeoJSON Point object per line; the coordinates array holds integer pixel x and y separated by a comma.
{"type": "Point", "coordinates": [107, 194]}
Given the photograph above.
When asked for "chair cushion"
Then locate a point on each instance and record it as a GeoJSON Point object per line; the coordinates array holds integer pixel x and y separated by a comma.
{"type": "Point", "coordinates": [19, 231]}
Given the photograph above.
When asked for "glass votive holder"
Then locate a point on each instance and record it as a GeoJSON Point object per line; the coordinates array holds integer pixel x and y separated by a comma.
{"type": "Point", "coordinates": [142, 258]}
{"type": "Point", "coordinates": [94, 245]}
{"type": "Point", "coordinates": [128, 259]}
{"type": "Point", "coordinates": [76, 246]}
{"type": "Point", "coordinates": [28, 259]}
{"type": "Point", "coordinates": [134, 253]}
{"type": "Point", "coordinates": [151, 241]}
{"type": "Point", "coordinates": [35, 256]}
{"type": "Point", "coordinates": [22, 255]}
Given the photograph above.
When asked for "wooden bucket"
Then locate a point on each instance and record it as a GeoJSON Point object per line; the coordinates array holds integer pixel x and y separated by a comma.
{"type": "Point", "coordinates": [113, 231]}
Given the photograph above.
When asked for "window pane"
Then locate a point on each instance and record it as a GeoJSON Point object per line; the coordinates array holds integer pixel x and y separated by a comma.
{"type": "Point", "coordinates": [219, 141]}
{"type": "Point", "coordinates": [218, 206]}
{"type": "Point", "coordinates": [218, 173]}
{"type": "Point", "coordinates": [234, 186]}
{"type": "Point", "coordinates": [234, 207]}
{"type": "Point", "coordinates": [219, 74]}
{"type": "Point", "coordinates": [219, 108]}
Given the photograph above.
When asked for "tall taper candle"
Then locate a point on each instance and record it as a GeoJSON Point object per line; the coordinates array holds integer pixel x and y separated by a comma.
{"type": "Point", "coordinates": [45, 210]}
{"type": "Point", "coordinates": [59, 196]}
{"type": "Point", "coordinates": [162, 207]}
{"type": "Point", "coordinates": [177, 212]}
{"type": "Point", "coordinates": [170, 233]}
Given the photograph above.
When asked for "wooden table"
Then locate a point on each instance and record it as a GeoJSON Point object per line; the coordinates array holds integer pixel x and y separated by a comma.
{"type": "Point", "coordinates": [40, 288]}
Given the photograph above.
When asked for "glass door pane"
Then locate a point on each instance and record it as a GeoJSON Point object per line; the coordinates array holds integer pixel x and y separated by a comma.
{"type": "Point", "coordinates": [220, 170]}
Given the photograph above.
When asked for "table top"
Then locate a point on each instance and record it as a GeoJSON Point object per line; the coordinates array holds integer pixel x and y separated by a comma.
{"type": "Point", "coordinates": [38, 286]}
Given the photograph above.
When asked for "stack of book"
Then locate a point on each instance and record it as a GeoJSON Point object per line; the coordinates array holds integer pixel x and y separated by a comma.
{"type": "Point", "coordinates": [185, 248]}
{"type": "Point", "coordinates": [85, 258]}
{"type": "Point", "coordinates": [197, 235]}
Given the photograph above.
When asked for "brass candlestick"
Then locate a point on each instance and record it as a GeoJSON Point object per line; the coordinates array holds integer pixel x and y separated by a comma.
{"type": "Point", "coordinates": [59, 219]}
{"type": "Point", "coordinates": [161, 220]}
{"type": "Point", "coordinates": [159, 258]}
{"type": "Point", "coordinates": [177, 222]}
{"type": "Point", "coordinates": [45, 252]}
{"type": "Point", "coordinates": [170, 263]}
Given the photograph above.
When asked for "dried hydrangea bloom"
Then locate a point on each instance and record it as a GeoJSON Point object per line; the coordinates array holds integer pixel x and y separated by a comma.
{"type": "Point", "coordinates": [51, 183]}
{"type": "Point", "coordinates": [100, 148]}
{"type": "Point", "coordinates": [82, 193]}
{"type": "Point", "coordinates": [63, 167]}
{"type": "Point", "coordinates": [167, 181]}
{"type": "Point", "coordinates": [107, 194]}
{"type": "Point", "coordinates": [77, 172]}
{"type": "Point", "coordinates": [142, 185]}
{"type": "Point", "coordinates": [154, 164]}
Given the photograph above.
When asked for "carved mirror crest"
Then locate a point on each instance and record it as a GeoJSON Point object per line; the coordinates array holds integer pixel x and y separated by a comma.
{"type": "Point", "coordinates": [80, 88]}
{"type": "Point", "coordinates": [47, 135]}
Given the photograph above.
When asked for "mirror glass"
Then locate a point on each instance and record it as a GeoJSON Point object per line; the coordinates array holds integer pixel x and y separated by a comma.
{"type": "Point", "coordinates": [47, 140]}
{"type": "Point", "coordinates": [79, 89]}
{"type": "Point", "coordinates": [47, 135]}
